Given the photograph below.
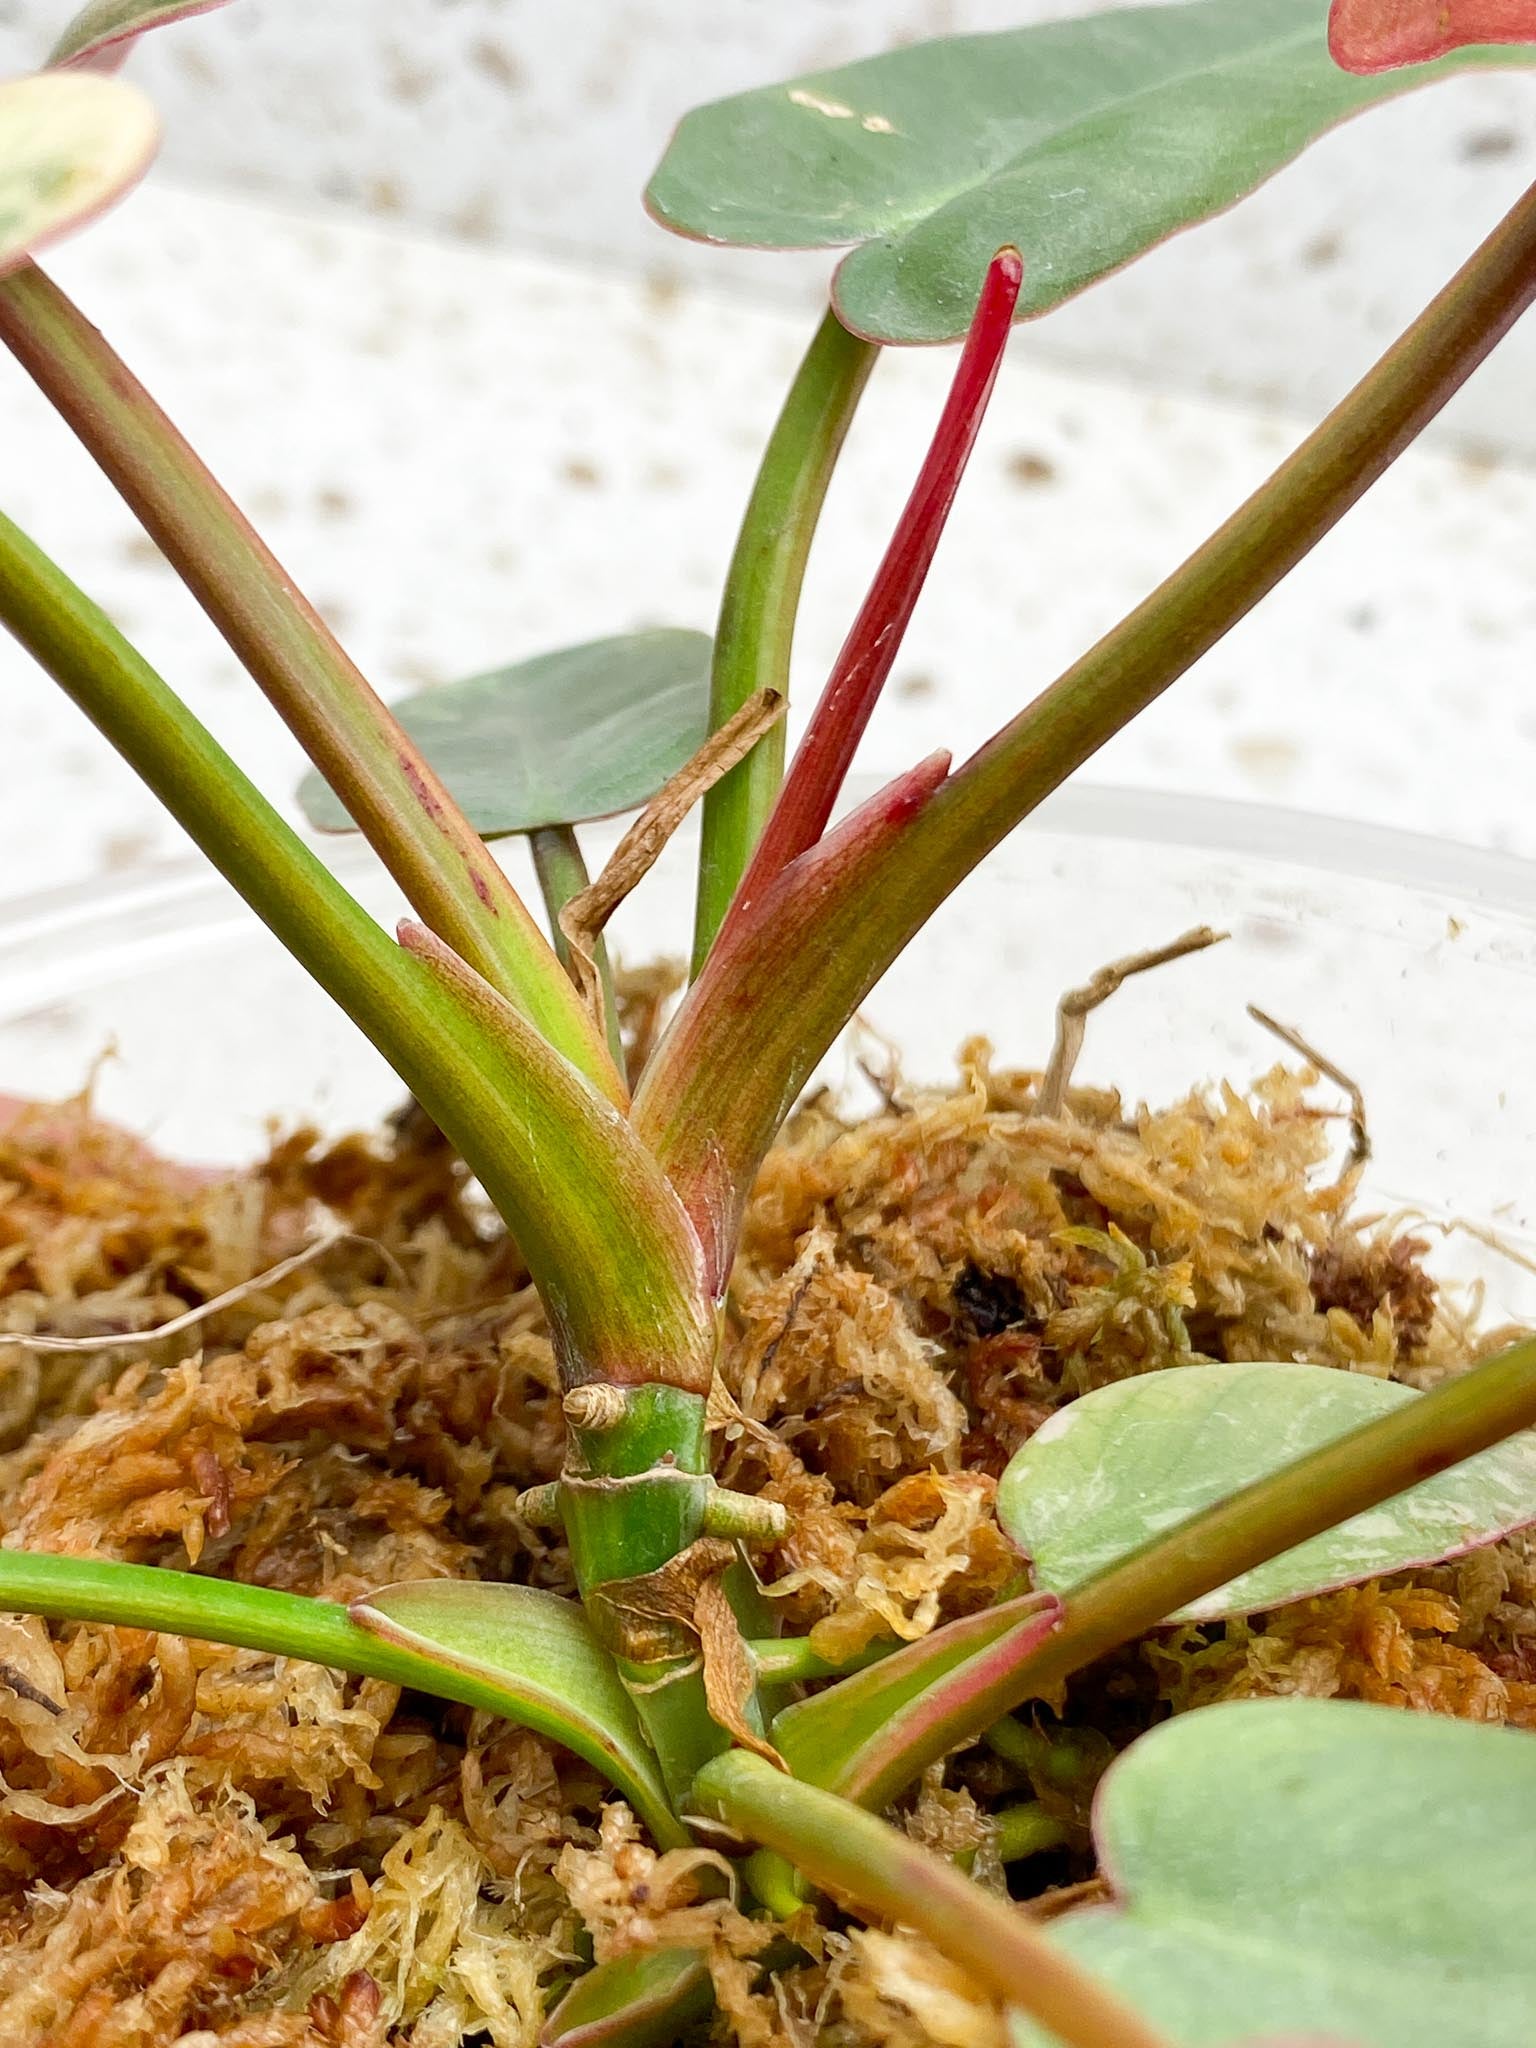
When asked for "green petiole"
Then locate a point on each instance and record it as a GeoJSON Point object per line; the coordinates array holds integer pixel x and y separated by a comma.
{"type": "Point", "coordinates": [418, 831]}
{"type": "Point", "coordinates": [865, 1859]}
{"type": "Point", "coordinates": [762, 595]}
{"type": "Point", "coordinates": [562, 1166]}
{"type": "Point", "coordinates": [562, 873]}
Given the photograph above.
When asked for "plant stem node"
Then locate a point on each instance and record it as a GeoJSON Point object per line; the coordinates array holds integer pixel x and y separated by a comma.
{"type": "Point", "coordinates": [540, 1506]}
{"type": "Point", "coordinates": [597, 1405]}
{"type": "Point", "coordinates": [745, 1516]}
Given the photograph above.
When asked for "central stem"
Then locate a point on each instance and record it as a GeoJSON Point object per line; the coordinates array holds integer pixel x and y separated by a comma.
{"type": "Point", "coordinates": [633, 1496]}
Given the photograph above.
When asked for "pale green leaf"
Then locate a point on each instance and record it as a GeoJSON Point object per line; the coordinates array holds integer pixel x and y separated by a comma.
{"type": "Point", "coordinates": [70, 144]}
{"type": "Point", "coordinates": [1120, 1466]}
{"type": "Point", "coordinates": [1318, 1868]}
{"type": "Point", "coordinates": [509, 1650]}
{"type": "Point", "coordinates": [539, 1648]}
{"type": "Point", "coordinates": [648, 1998]}
{"type": "Point", "coordinates": [1082, 142]}
{"type": "Point", "coordinates": [582, 733]}
{"type": "Point", "coordinates": [102, 32]}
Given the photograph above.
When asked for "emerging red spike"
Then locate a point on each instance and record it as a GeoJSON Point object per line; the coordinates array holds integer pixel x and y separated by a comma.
{"type": "Point", "coordinates": [822, 760]}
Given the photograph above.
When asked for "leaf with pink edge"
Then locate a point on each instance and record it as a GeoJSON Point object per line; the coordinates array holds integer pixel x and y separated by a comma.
{"type": "Point", "coordinates": [70, 146]}
{"type": "Point", "coordinates": [102, 34]}
{"type": "Point", "coordinates": [1083, 142]}
{"type": "Point", "coordinates": [1121, 1466]}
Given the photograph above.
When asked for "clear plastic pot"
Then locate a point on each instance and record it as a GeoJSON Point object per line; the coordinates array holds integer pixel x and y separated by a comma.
{"type": "Point", "coordinates": [1409, 962]}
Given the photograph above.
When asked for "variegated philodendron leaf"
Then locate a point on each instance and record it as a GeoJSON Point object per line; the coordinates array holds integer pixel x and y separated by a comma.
{"type": "Point", "coordinates": [70, 144]}
{"type": "Point", "coordinates": [102, 33]}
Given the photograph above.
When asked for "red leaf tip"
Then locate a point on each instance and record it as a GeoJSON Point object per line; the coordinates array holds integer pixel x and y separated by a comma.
{"type": "Point", "coordinates": [1368, 36]}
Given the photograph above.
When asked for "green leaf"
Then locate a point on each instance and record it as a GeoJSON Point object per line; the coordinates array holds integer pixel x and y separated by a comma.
{"type": "Point", "coordinates": [102, 33]}
{"type": "Point", "coordinates": [543, 1670]}
{"type": "Point", "coordinates": [646, 1999]}
{"type": "Point", "coordinates": [538, 1646]}
{"type": "Point", "coordinates": [1463, 1417]}
{"type": "Point", "coordinates": [1082, 142]}
{"type": "Point", "coordinates": [1318, 1867]}
{"type": "Point", "coordinates": [70, 145]}
{"type": "Point", "coordinates": [582, 733]}
{"type": "Point", "coordinates": [1377, 35]}
{"type": "Point", "coordinates": [1113, 1470]}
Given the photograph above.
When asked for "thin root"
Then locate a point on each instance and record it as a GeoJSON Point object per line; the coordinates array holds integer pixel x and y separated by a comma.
{"type": "Point", "coordinates": [113, 1340]}
{"type": "Point", "coordinates": [1359, 1136]}
{"type": "Point", "coordinates": [1463, 1226]}
{"type": "Point", "coordinates": [583, 918]}
{"type": "Point", "coordinates": [1075, 1007]}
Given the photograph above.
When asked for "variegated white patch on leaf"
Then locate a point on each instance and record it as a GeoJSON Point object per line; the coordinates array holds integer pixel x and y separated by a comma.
{"type": "Point", "coordinates": [71, 143]}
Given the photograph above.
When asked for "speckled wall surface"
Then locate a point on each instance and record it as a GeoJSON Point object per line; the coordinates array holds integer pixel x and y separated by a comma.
{"type": "Point", "coordinates": [468, 457]}
{"type": "Point", "coordinates": [470, 449]}
{"type": "Point", "coordinates": [535, 122]}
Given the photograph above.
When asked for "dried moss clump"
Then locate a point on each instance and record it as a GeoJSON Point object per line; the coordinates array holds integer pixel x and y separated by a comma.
{"type": "Point", "coordinates": [208, 1846]}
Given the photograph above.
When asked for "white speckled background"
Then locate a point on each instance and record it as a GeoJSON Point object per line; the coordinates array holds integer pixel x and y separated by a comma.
{"type": "Point", "coordinates": [504, 410]}
{"type": "Point", "coordinates": [535, 123]}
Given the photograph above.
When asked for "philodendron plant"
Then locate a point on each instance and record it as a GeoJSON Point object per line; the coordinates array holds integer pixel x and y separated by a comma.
{"type": "Point", "coordinates": [980, 180]}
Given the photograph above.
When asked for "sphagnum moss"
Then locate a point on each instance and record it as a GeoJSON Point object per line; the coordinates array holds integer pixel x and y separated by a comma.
{"type": "Point", "coordinates": [201, 1839]}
